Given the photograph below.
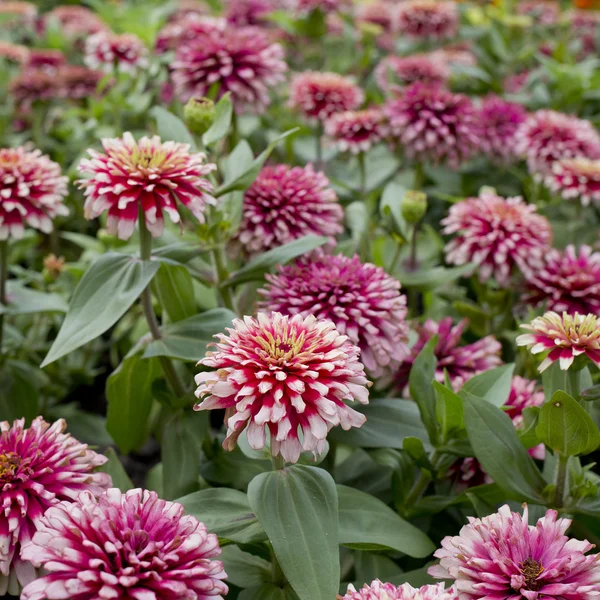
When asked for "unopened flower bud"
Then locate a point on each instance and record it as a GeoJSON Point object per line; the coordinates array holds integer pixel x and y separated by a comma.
{"type": "Point", "coordinates": [199, 115]}
{"type": "Point", "coordinates": [53, 266]}
{"type": "Point", "coordinates": [414, 206]}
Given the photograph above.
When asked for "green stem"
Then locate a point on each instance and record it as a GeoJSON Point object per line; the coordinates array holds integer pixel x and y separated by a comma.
{"type": "Point", "coordinates": [395, 259]}
{"type": "Point", "coordinates": [3, 278]}
{"type": "Point", "coordinates": [422, 482]}
{"type": "Point", "coordinates": [319, 147]}
{"type": "Point", "coordinates": [561, 481]}
{"type": "Point", "coordinates": [412, 261]}
{"type": "Point", "coordinates": [279, 579]}
{"type": "Point", "coordinates": [278, 462]}
{"type": "Point", "coordinates": [419, 177]}
{"type": "Point", "coordinates": [235, 132]}
{"type": "Point", "coordinates": [222, 276]}
{"type": "Point", "coordinates": [574, 383]}
{"type": "Point", "coordinates": [362, 166]}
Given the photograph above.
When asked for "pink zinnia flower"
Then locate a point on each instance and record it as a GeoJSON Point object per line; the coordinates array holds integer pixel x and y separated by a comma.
{"type": "Point", "coordinates": [395, 72]}
{"type": "Point", "coordinates": [468, 472]}
{"type": "Point", "coordinates": [147, 173]}
{"type": "Point", "coordinates": [378, 12]}
{"type": "Point", "coordinates": [45, 59]}
{"type": "Point", "coordinates": [304, 7]}
{"type": "Point", "coordinates": [568, 281]}
{"type": "Point", "coordinates": [75, 82]}
{"type": "Point", "coordinates": [238, 60]}
{"type": "Point", "coordinates": [585, 25]}
{"type": "Point", "coordinates": [428, 19]}
{"type": "Point", "coordinates": [31, 86]}
{"type": "Point", "coordinates": [547, 136]}
{"type": "Point", "coordinates": [32, 191]}
{"type": "Point", "coordinates": [386, 591]}
{"type": "Point", "coordinates": [15, 53]}
{"type": "Point", "coordinates": [566, 337]}
{"type": "Point", "coordinates": [433, 124]}
{"type": "Point", "coordinates": [108, 52]}
{"type": "Point", "coordinates": [461, 362]}
{"type": "Point", "coordinates": [500, 121]}
{"type": "Point", "coordinates": [286, 203]}
{"type": "Point", "coordinates": [131, 545]}
{"type": "Point", "coordinates": [576, 179]}
{"type": "Point", "coordinates": [75, 21]}
{"type": "Point", "coordinates": [182, 32]}
{"type": "Point", "coordinates": [497, 234]}
{"type": "Point", "coordinates": [458, 53]}
{"type": "Point", "coordinates": [357, 131]}
{"type": "Point", "coordinates": [501, 557]}
{"type": "Point", "coordinates": [287, 374]}
{"type": "Point", "coordinates": [319, 95]}
{"type": "Point", "coordinates": [39, 467]}
{"type": "Point", "coordinates": [361, 299]}
{"type": "Point", "coordinates": [248, 12]}
{"type": "Point", "coordinates": [24, 13]}
{"type": "Point", "coordinates": [543, 12]}
{"type": "Point", "coordinates": [513, 84]}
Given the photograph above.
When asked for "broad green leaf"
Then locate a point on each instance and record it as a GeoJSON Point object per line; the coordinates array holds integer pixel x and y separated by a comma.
{"type": "Point", "coordinates": [449, 410]}
{"type": "Point", "coordinates": [19, 394]}
{"type": "Point", "coordinates": [369, 566]}
{"type": "Point", "coordinates": [416, 450]}
{"type": "Point", "coordinates": [243, 569]}
{"type": "Point", "coordinates": [298, 507]}
{"type": "Point", "coordinates": [171, 128]}
{"type": "Point", "coordinates": [416, 578]}
{"type": "Point", "coordinates": [366, 523]}
{"type": "Point", "coordinates": [566, 427]}
{"type": "Point", "coordinates": [106, 291]}
{"type": "Point", "coordinates": [223, 113]}
{"type": "Point", "coordinates": [115, 469]}
{"type": "Point", "coordinates": [357, 219]}
{"type": "Point", "coordinates": [555, 379]}
{"type": "Point", "coordinates": [497, 446]}
{"type": "Point", "coordinates": [492, 385]}
{"type": "Point", "coordinates": [238, 162]}
{"type": "Point", "coordinates": [88, 428]}
{"type": "Point", "coordinates": [420, 380]}
{"type": "Point", "coordinates": [23, 300]}
{"type": "Point", "coordinates": [174, 288]}
{"type": "Point", "coordinates": [391, 203]}
{"type": "Point", "coordinates": [268, 591]}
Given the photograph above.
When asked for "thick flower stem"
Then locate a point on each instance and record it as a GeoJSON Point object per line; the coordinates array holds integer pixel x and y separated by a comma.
{"type": "Point", "coordinates": [278, 462]}
{"type": "Point", "coordinates": [222, 275]}
{"type": "Point", "coordinates": [561, 481]}
{"type": "Point", "coordinates": [276, 572]}
{"type": "Point", "coordinates": [362, 166]}
{"type": "Point", "coordinates": [422, 482]}
{"type": "Point", "coordinates": [574, 383]}
{"type": "Point", "coordinates": [319, 147]}
{"type": "Point", "coordinates": [412, 261]}
{"type": "Point", "coordinates": [3, 278]}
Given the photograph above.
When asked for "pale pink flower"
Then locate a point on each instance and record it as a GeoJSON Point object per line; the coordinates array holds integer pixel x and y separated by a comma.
{"type": "Point", "coordinates": [513, 84]}
{"type": "Point", "coordinates": [356, 131]}
{"type": "Point", "coordinates": [75, 21]}
{"type": "Point", "coordinates": [428, 19]}
{"type": "Point", "coordinates": [576, 179]}
{"type": "Point", "coordinates": [15, 53]}
{"type": "Point", "coordinates": [18, 14]}
{"type": "Point", "coordinates": [543, 12]}
{"type": "Point", "coordinates": [287, 374]}
{"type": "Point", "coordinates": [396, 72]}
{"type": "Point", "coordinates": [386, 591]}
{"type": "Point", "coordinates": [181, 32]}
{"type": "Point", "coordinates": [378, 12]}
{"type": "Point", "coordinates": [108, 52]}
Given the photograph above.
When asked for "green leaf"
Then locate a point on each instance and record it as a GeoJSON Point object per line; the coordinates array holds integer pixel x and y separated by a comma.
{"type": "Point", "coordinates": [115, 469]}
{"type": "Point", "coordinates": [243, 569]}
{"type": "Point", "coordinates": [174, 287]}
{"type": "Point", "coordinates": [420, 381]}
{"type": "Point", "coordinates": [449, 410]}
{"type": "Point", "coordinates": [555, 379]}
{"type": "Point", "coordinates": [428, 279]}
{"type": "Point", "coordinates": [19, 394]}
{"type": "Point", "coordinates": [129, 395]}
{"type": "Point", "coordinates": [298, 507]}
{"type": "Point", "coordinates": [497, 446]}
{"type": "Point", "coordinates": [416, 578]}
{"type": "Point", "coordinates": [106, 291]}
{"type": "Point", "coordinates": [23, 301]}
{"type": "Point", "coordinates": [187, 339]}
{"type": "Point", "coordinates": [238, 162]}
{"type": "Point", "coordinates": [493, 385]}
{"type": "Point", "coordinates": [170, 127]}
{"type": "Point", "coordinates": [366, 523]}
{"type": "Point", "coordinates": [566, 427]}
{"type": "Point", "coordinates": [223, 113]}
{"type": "Point", "coordinates": [267, 591]}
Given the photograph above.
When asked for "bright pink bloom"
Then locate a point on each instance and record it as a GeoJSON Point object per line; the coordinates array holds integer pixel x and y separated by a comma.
{"type": "Point", "coordinates": [497, 234]}
{"type": "Point", "coordinates": [543, 12]}
{"type": "Point", "coordinates": [147, 173]}
{"type": "Point", "coordinates": [184, 31]}
{"type": "Point", "coordinates": [32, 191]}
{"type": "Point", "coordinates": [125, 546]}
{"type": "Point", "coordinates": [249, 12]}
{"type": "Point", "coordinates": [433, 124]}
{"type": "Point", "coordinates": [39, 467]}
{"type": "Point", "coordinates": [108, 52]}
{"type": "Point", "coordinates": [319, 95]}
{"type": "Point", "coordinates": [363, 302]}
{"type": "Point", "coordinates": [238, 60]}
{"type": "Point", "coordinates": [386, 591]}
{"type": "Point", "coordinates": [284, 373]}
{"type": "Point", "coordinates": [576, 179]}
{"type": "Point", "coordinates": [501, 557]}
{"type": "Point", "coordinates": [286, 203]}
{"type": "Point", "coordinates": [566, 337]}
{"type": "Point", "coordinates": [461, 362]}
{"type": "Point", "coordinates": [45, 60]}
{"type": "Point", "coordinates": [428, 19]}
{"type": "Point", "coordinates": [357, 131]}
{"type": "Point", "coordinates": [396, 72]}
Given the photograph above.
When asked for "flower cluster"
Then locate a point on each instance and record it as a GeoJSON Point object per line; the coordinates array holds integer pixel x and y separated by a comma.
{"type": "Point", "coordinates": [576, 178]}
{"type": "Point", "coordinates": [107, 51]}
{"type": "Point", "coordinates": [357, 131]}
{"type": "Point", "coordinates": [395, 72]}
{"type": "Point", "coordinates": [428, 19]}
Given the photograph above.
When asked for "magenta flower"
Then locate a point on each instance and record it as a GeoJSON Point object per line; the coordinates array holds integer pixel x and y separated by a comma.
{"type": "Point", "coordinates": [396, 72]}
{"type": "Point", "coordinates": [468, 472]}
{"type": "Point", "coordinates": [285, 374]}
{"type": "Point", "coordinates": [576, 179]}
{"type": "Point", "coordinates": [125, 546]}
{"type": "Point", "coordinates": [524, 393]}
{"type": "Point", "coordinates": [32, 191]}
{"type": "Point", "coordinates": [356, 131]}
{"type": "Point", "coordinates": [238, 60]}
{"type": "Point", "coordinates": [433, 124]}
{"type": "Point", "coordinates": [319, 95]}
{"type": "Point", "coordinates": [363, 302]}
{"type": "Point", "coordinates": [304, 7]}
{"type": "Point", "coordinates": [241, 13]}
{"type": "Point", "coordinates": [386, 591]}
{"type": "Point", "coordinates": [428, 19]}
{"type": "Point", "coordinates": [498, 235]}
{"type": "Point", "coordinates": [181, 32]}
{"type": "Point", "coordinates": [39, 467]}
{"type": "Point", "coordinates": [501, 557]}
{"type": "Point", "coordinates": [461, 362]}
{"type": "Point", "coordinates": [566, 337]}
{"type": "Point", "coordinates": [286, 203]}
{"type": "Point", "coordinates": [568, 281]}
{"type": "Point", "coordinates": [543, 12]}
{"type": "Point", "coordinates": [147, 173]}
{"type": "Point", "coordinates": [44, 59]}
{"type": "Point", "coordinates": [379, 12]}
{"type": "Point", "coordinates": [107, 52]}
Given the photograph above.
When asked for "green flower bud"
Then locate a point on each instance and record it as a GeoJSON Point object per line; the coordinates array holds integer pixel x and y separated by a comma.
{"type": "Point", "coordinates": [414, 206]}
{"type": "Point", "coordinates": [199, 115]}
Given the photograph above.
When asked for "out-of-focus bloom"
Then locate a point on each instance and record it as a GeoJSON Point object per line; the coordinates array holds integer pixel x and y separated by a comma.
{"type": "Point", "coordinates": [180, 33]}
{"type": "Point", "coordinates": [501, 556]}
{"type": "Point", "coordinates": [75, 22]}
{"type": "Point", "coordinates": [585, 25]}
{"type": "Point", "coordinates": [395, 72]}
{"type": "Point", "coordinates": [461, 362]}
{"type": "Point", "coordinates": [286, 203]}
{"type": "Point", "coordinates": [14, 52]}
{"type": "Point", "coordinates": [148, 173]}
{"type": "Point", "coordinates": [568, 281]}
{"type": "Point", "coordinates": [303, 7]}
{"type": "Point", "coordinates": [45, 59]}
{"type": "Point", "coordinates": [524, 393]}
{"type": "Point", "coordinates": [248, 12]}
{"type": "Point", "coordinates": [433, 124]}
{"type": "Point", "coordinates": [566, 337]}
{"type": "Point", "coordinates": [576, 179]}
{"type": "Point", "coordinates": [497, 234]}
{"type": "Point", "coordinates": [356, 131]}
{"type": "Point", "coordinates": [459, 53]}
{"type": "Point", "coordinates": [513, 84]}
{"type": "Point", "coordinates": [54, 265]}
{"type": "Point", "coordinates": [428, 19]}
{"type": "Point", "coordinates": [109, 52]}
{"type": "Point", "coordinates": [124, 545]}
{"type": "Point", "coordinates": [32, 191]}
{"type": "Point", "coordinates": [23, 13]}
{"type": "Point", "coordinates": [499, 123]}
{"type": "Point", "coordinates": [543, 12]}
{"type": "Point", "coordinates": [32, 86]}
{"type": "Point", "coordinates": [75, 82]}
{"type": "Point", "coordinates": [284, 373]}
{"type": "Point", "coordinates": [468, 472]}
{"type": "Point", "coordinates": [318, 95]}
{"type": "Point", "coordinates": [363, 302]}
{"type": "Point", "coordinates": [188, 9]}
{"type": "Point", "coordinates": [238, 60]}
{"type": "Point", "coordinates": [378, 12]}
{"type": "Point", "coordinates": [547, 136]}
{"type": "Point", "coordinates": [386, 591]}
{"type": "Point", "coordinates": [39, 466]}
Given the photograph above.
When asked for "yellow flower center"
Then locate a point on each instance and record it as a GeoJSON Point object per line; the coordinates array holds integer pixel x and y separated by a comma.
{"type": "Point", "coordinates": [532, 569]}
{"type": "Point", "coordinates": [282, 347]}
{"type": "Point", "coordinates": [9, 463]}
{"type": "Point", "coordinates": [147, 158]}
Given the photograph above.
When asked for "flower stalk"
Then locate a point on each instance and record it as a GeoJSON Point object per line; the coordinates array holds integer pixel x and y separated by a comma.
{"type": "Point", "coordinates": [3, 279]}
{"type": "Point", "coordinates": [561, 480]}
{"type": "Point", "coordinates": [222, 274]}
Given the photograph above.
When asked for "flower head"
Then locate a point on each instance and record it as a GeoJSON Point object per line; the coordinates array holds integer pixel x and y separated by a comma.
{"type": "Point", "coordinates": [45, 59]}
{"type": "Point", "coordinates": [363, 302]}
{"type": "Point", "coordinates": [249, 12]}
{"type": "Point", "coordinates": [124, 545]}
{"type": "Point", "coordinates": [501, 556]}
{"type": "Point", "coordinates": [75, 82]}
{"type": "Point", "coordinates": [39, 466]}
{"type": "Point", "coordinates": [182, 32]}
{"type": "Point", "coordinates": [238, 60]}
{"type": "Point", "coordinates": [15, 53]}
{"type": "Point", "coordinates": [433, 124]}
{"type": "Point", "coordinates": [32, 85]}
{"type": "Point", "coordinates": [547, 136]}
{"type": "Point", "coordinates": [543, 12]}
{"type": "Point", "coordinates": [395, 72]}
{"type": "Point", "coordinates": [575, 179]}
{"type": "Point", "coordinates": [146, 173]}
{"type": "Point", "coordinates": [319, 95]}
{"type": "Point", "coordinates": [32, 190]}
{"type": "Point", "coordinates": [75, 21]}
{"type": "Point", "coordinates": [428, 19]}
{"type": "Point", "coordinates": [378, 12]}
{"type": "Point", "coordinates": [108, 52]}
{"type": "Point", "coordinates": [524, 393]}
{"type": "Point", "coordinates": [356, 131]}
{"type": "Point", "coordinates": [286, 203]}
{"type": "Point", "coordinates": [21, 14]}
{"type": "Point", "coordinates": [497, 234]}
{"type": "Point", "coordinates": [303, 7]}
{"type": "Point", "coordinates": [513, 84]}
{"type": "Point", "coordinates": [285, 374]}
{"type": "Point", "coordinates": [457, 53]}
{"type": "Point", "coordinates": [566, 337]}
{"type": "Point", "coordinates": [386, 591]}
